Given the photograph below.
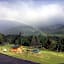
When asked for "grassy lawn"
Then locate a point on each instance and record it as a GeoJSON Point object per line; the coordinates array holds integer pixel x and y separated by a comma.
{"type": "Point", "coordinates": [44, 57]}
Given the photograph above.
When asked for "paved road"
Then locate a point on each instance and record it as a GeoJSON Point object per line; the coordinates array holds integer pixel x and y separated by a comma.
{"type": "Point", "coordinates": [4, 59]}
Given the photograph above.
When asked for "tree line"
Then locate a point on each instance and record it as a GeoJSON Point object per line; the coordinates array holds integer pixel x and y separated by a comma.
{"type": "Point", "coordinates": [53, 43]}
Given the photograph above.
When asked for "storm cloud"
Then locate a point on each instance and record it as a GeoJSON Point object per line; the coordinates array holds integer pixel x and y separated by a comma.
{"type": "Point", "coordinates": [32, 12]}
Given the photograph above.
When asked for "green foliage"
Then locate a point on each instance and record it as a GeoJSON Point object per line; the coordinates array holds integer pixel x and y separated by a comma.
{"type": "Point", "coordinates": [1, 37]}
{"type": "Point", "coordinates": [25, 41]}
{"type": "Point", "coordinates": [42, 39]}
{"type": "Point", "coordinates": [50, 42]}
{"type": "Point", "coordinates": [45, 56]}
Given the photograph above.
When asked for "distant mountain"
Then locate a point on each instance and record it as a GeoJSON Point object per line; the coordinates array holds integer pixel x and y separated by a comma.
{"type": "Point", "coordinates": [53, 29]}
{"type": "Point", "coordinates": [5, 25]}
{"type": "Point", "coordinates": [11, 27]}
{"type": "Point", "coordinates": [25, 30]}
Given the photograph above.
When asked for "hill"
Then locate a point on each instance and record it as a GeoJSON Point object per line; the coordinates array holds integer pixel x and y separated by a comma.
{"type": "Point", "coordinates": [11, 27]}
{"type": "Point", "coordinates": [53, 29]}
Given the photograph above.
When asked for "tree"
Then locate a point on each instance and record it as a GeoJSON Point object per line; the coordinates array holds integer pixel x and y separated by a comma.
{"type": "Point", "coordinates": [1, 37]}
{"type": "Point", "coordinates": [48, 43]}
{"type": "Point", "coordinates": [42, 40]}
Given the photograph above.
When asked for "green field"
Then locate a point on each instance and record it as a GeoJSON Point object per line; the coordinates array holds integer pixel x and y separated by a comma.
{"type": "Point", "coordinates": [44, 57]}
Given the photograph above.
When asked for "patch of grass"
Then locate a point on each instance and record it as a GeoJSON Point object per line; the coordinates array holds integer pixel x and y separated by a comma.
{"type": "Point", "coordinates": [45, 57]}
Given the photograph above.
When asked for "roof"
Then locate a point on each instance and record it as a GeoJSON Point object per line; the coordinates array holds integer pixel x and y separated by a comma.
{"type": "Point", "coordinates": [15, 46]}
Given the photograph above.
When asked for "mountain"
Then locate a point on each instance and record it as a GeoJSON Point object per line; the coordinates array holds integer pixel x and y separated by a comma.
{"type": "Point", "coordinates": [5, 25]}
{"type": "Point", "coordinates": [11, 27]}
{"type": "Point", "coordinates": [25, 30]}
{"type": "Point", "coordinates": [53, 29]}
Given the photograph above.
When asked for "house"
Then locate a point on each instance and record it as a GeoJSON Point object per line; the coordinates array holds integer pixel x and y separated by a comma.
{"type": "Point", "coordinates": [16, 49]}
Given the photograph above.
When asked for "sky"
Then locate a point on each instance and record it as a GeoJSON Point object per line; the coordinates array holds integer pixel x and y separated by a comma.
{"type": "Point", "coordinates": [32, 12]}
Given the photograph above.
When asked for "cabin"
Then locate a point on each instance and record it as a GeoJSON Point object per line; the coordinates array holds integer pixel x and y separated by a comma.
{"type": "Point", "coordinates": [16, 49]}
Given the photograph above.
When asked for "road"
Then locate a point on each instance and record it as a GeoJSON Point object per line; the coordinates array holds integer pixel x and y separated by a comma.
{"type": "Point", "coordinates": [4, 59]}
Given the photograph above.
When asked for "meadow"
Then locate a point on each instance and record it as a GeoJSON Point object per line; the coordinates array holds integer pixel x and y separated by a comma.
{"type": "Point", "coordinates": [43, 57]}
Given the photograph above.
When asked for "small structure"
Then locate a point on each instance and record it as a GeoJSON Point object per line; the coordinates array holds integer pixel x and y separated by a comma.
{"type": "Point", "coordinates": [16, 49]}
{"type": "Point", "coordinates": [36, 51]}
